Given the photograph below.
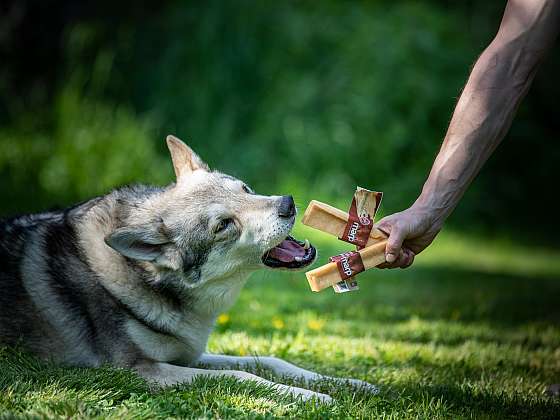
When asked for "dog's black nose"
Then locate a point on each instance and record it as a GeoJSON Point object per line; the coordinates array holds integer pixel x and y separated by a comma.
{"type": "Point", "coordinates": [287, 207]}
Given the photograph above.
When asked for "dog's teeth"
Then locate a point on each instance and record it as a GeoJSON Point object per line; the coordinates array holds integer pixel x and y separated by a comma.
{"type": "Point", "coordinates": [307, 245]}
{"type": "Point", "coordinates": [298, 259]}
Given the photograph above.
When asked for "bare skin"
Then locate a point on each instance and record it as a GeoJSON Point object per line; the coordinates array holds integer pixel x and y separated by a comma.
{"type": "Point", "coordinates": [498, 82]}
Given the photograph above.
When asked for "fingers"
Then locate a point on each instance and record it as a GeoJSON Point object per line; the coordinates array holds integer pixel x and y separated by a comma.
{"type": "Point", "coordinates": [395, 254]}
{"type": "Point", "coordinates": [404, 260]}
{"type": "Point", "coordinates": [394, 244]}
{"type": "Point", "coordinates": [408, 258]}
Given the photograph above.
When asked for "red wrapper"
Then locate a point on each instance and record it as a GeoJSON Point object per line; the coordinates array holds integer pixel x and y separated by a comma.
{"type": "Point", "coordinates": [348, 263]}
{"type": "Point", "coordinates": [360, 217]}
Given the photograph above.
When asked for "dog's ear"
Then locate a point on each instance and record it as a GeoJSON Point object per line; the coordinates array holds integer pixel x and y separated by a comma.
{"type": "Point", "coordinates": [185, 161]}
{"type": "Point", "coordinates": [142, 243]}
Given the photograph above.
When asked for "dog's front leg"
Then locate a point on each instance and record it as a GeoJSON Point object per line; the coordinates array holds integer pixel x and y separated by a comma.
{"type": "Point", "coordinates": [279, 367]}
{"type": "Point", "coordinates": [165, 374]}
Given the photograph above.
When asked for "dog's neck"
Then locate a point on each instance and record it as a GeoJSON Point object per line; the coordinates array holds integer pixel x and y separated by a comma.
{"type": "Point", "coordinates": [217, 296]}
{"type": "Point", "coordinates": [135, 283]}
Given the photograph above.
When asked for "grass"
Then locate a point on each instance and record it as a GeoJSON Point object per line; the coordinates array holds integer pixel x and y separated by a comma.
{"type": "Point", "coordinates": [471, 331]}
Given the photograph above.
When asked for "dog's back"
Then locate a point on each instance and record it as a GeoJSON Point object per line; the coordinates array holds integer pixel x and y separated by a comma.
{"type": "Point", "coordinates": [18, 320]}
{"type": "Point", "coordinates": [51, 302]}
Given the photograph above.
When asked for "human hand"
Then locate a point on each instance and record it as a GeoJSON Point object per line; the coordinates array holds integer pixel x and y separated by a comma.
{"type": "Point", "coordinates": [410, 232]}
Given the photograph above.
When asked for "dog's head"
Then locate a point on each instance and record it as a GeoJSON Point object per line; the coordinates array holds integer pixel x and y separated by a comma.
{"type": "Point", "coordinates": [210, 226]}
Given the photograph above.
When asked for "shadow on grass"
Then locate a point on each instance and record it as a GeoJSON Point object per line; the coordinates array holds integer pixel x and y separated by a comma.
{"type": "Point", "coordinates": [473, 402]}
{"type": "Point", "coordinates": [472, 295]}
{"type": "Point", "coordinates": [428, 293]}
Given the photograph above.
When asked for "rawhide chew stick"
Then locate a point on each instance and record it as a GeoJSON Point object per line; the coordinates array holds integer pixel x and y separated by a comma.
{"type": "Point", "coordinates": [329, 274]}
{"type": "Point", "coordinates": [355, 227]}
{"type": "Point", "coordinates": [331, 220]}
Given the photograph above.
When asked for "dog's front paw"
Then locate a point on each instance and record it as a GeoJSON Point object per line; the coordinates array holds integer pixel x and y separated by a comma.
{"type": "Point", "coordinates": [308, 395]}
{"type": "Point", "coordinates": [359, 385]}
{"type": "Point", "coordinates": [319, 398]}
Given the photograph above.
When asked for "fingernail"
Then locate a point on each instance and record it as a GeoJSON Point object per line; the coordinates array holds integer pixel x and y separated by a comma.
{"type": "Point", "coordinates": [390, 258]}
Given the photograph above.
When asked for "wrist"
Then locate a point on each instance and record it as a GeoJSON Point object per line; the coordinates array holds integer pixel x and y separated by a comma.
{"type": "Point", "coordinates": [428, 208]}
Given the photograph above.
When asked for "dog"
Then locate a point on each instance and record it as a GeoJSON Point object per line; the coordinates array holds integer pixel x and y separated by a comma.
{"type": "Point", "coordinates": [136, 278]}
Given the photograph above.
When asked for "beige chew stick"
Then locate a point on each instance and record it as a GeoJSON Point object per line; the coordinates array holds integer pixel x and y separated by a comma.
{"type": "Point", "coordinates": [328, 275]}
{"type": "Point", "coordinates": [331, 220]}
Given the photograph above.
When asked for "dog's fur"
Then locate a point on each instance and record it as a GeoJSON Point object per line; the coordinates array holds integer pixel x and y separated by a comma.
{"type": "Point", "coordinates": [136, 278]}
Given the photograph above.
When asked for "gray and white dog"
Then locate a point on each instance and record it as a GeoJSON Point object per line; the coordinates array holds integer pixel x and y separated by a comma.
{"type": "Point", "coordinates": [136, 278]}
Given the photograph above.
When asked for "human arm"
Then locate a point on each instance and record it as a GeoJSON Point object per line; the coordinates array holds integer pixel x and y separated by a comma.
{"type": "Point", "coordinates": [498, 82]}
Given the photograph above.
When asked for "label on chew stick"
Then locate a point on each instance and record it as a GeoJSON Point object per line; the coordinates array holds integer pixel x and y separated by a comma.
{"type": "Point", "coordinates": [360, 216]}
{"type": "Point", "coordinates": [349, 264]}
{"type": "Point", "coordinates": [348, 285]}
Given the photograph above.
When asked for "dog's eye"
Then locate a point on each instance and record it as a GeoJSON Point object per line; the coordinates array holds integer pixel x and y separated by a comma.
{"type": "Point", "coordinates": [247, 189]}
{"type": "Point", "coordinates": [223, 225]}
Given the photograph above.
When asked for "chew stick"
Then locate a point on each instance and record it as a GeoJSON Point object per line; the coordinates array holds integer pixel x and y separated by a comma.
{"type": "Point", "coordinates": [328, 275]}
{"type": "Point", "coordinates": [331, 220]}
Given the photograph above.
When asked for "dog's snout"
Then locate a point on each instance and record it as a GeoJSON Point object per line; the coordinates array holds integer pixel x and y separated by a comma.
{"type": "Point", "coordinates": [287, 206]}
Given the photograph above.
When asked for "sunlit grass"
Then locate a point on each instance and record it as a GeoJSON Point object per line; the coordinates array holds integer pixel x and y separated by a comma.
{"type": "Point", "coordinates": [471, 331]}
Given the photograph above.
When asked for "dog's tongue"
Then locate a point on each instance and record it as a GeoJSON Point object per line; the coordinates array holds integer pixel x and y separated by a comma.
{"type": "Point", "coordinates": [287, 251]}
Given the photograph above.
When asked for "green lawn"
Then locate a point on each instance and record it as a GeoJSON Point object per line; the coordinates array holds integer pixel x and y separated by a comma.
{"type": "Point", "coordinates": [472, 330]}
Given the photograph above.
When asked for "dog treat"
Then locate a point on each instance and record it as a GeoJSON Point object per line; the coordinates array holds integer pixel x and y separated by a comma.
{"type": "Point", "coordinates": [329, 274]}
{"type": "Point", "coordinates": [358, 227]}
{"type": "Point", "coordinates": [331, 220]}
{"type": "Point", "coordinates": [355, 227]}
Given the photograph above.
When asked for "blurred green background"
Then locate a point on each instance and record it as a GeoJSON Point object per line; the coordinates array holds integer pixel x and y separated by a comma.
{"type": "Point", "coordinates": [308, 98]}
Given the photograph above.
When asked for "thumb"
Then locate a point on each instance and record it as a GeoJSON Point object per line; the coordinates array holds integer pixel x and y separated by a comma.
{"type": "Point", "coordinates": [394, 244]}
{"type": "Point", "coordinates": [385, 225]}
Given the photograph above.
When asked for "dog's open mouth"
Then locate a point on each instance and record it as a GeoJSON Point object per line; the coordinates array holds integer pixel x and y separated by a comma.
{"type": "Point", "coordinates": [290, 253]}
